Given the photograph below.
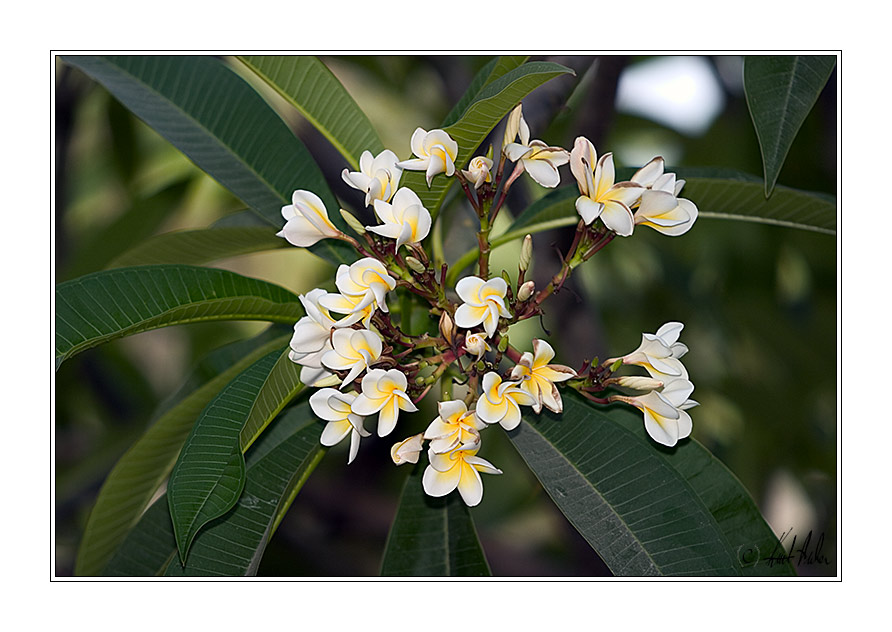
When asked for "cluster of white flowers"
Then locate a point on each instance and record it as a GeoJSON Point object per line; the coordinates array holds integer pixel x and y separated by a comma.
{"type": "Point", "coordinates": [362, 362]}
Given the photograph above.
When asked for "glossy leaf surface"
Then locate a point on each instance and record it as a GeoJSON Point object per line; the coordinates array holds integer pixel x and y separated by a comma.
{"type": "Point", "coordinates": [209, 474]}
{"type": "Point", "coordinates": [222, 124]}
{"type": "Point", "coordinates": [780, 92]}
{"type": "Point", "coordinates": [432, 537]}
{"type": "Point", "coordinates": [277, 465]}
{"type": "Point", "coordinates": [100, 307]}
{"type": "Point", "coordinates": [307, 84]}
{"type": "Point", "coordinates": [133, 481]}
{"type": "Point", "coordinates": [645, 509]}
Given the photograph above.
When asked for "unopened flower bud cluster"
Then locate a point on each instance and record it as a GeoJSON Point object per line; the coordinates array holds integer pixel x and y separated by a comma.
{"type": "Point", "coordinates": [366, 367]}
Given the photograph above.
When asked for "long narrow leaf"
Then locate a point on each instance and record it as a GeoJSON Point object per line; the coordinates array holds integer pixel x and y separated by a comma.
{"type": "Point", "coordinates": [780, 92]}
{"type": "Point", "coordinates": [645, 510]}
{"type": "Point", "coordinates": [277, 465]}
{"type": "Point", "coordinates": [432, 537]}
{"type": "Point", "coordinates": [133, 481]}
{"type": "Point", "coordinates": [494, 69]}
{"type": "Point", "coordinates": [220, 122]}
{"type": "Point", "coordinates": [107, 305]}
{"type": "Point", "coordinates": [308, 85]}
{"type": "Point", "coordinates": [209, 474]}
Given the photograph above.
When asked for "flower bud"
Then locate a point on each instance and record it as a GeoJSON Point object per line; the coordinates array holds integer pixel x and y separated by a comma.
{"type": "Point", "coordinates": [639, 383]}
{"type": "Point", "coordinates": [526, 253]}
{"type": "Point", "coordinates": [503, 344]}
{"type": "Point", "coordinates": [415, 265]}
{"type": "Point", "coordinates": [352, 222]}
{"type": "Point", "coordinates": [447, 327]}
{"type": "Point", "coordinates": [526, 290]}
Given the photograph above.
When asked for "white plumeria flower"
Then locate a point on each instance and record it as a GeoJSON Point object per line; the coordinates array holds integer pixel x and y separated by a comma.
{"type": "Point", "coordinates": [306, 220]}
{"type": "Point", "coordinates": [405, 220]}
{"type": "Point", "coordinates": [377, 177]}
{"type": "Point", "coordinates": [476, 344]}
{"type": "Point", "coordinates": [384, 392]}
{"type": "Point", "coordinates": [659, 354]}
{"type": "Point", "coordinates": [408, 450]}
{"type": "Point", "coordinates": [651, 176]}
{"type": "Point", "coordinates": [455, 426]}
{"type": "Point", "coordinates": [665, 418]}
{"type": "Point", "coordinates": [363, 287]}
{"type": "Point", "coordinates": [312, 332]}
{"type": "Point", "coordinates": [601, 197]}
{"type": "Point", "coordinates": [500, 402]}
{"type": "Point", "coordinates": [333, 406]}
{"type": "Point", "coordinates": [666, 213]}
{"type": "Point", "coordinates": [538, 159]}
{"type": "Point", "coordinates": [478, 171]}
{"type": "Point", "coordinates": [538, 377]}
{"type": "Point", "coordinates": [484, 302]}
{"type": "Point", "coordinates": [459, 469]}
{"type": "Point", "coordinates": [353, 350]}
{"type": "Point", "coordinates": [435, 153]}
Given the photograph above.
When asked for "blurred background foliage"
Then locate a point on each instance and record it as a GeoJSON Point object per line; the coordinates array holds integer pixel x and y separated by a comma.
{"type": "Point", "coordinates": [759, 302]}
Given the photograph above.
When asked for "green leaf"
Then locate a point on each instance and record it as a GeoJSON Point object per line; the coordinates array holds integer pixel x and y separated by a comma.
{"type": "Point", "coordinates": [645, 509]}
{"type": "Point", "coordinates": [107, 305]}
{"type": "Point", "coordinates": [136, 477]}
{"type": "Point", "coordinates": [220, 122]}
{"type": "Point", "coordinates": [726, 196]}
{"type": "Point", "coordinates": [139, 222]}
{"type": "Point", "coordinates": [491, 104]}
{"type": "Point", "coordinates": [209, 474]}
{"type": "Point", "coordinates": [495, 68]}
{"type": "Point", "coordinates": [277, 466]}
{"type": "Point", "coordinates": [432, 537]}
{"type": "Point", "coordinates": [718, 194]}
{"type": "Point", "coordinates": [280, 387]}
{"type": "Point", "coordinates": [200, 246]}
{"type": "Point", "coordinates": [780, 92]}
{"type": "Point", "coordinates": [308, 85]}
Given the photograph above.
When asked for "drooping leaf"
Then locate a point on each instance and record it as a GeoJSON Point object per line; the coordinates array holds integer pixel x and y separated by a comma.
{"type": "Point", "coordinates": [133, 481]}
{"type": "Point", "coordinates": [307, 84]}
{"type": "Point", "coordinates": [220, 122]}
{"type": "Point", "coordinates": [432, 537]}
{"type": "Point", "coordinates": [494, 68]}
{"type": "Point", "coordinates": [195, 247]}
{"type": "Point", "coordinates": [780, 92]}
{"type": "Point", "coordinates": [99, 307]}
{"type": "Point", "coordinates": [277, 465]}
{"type": "Point", "coordinates": [645, 509]}
{"type": "Point", "coordinates": [209, 474]}
{"type": "Point", "coordinates": [490, 105]}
